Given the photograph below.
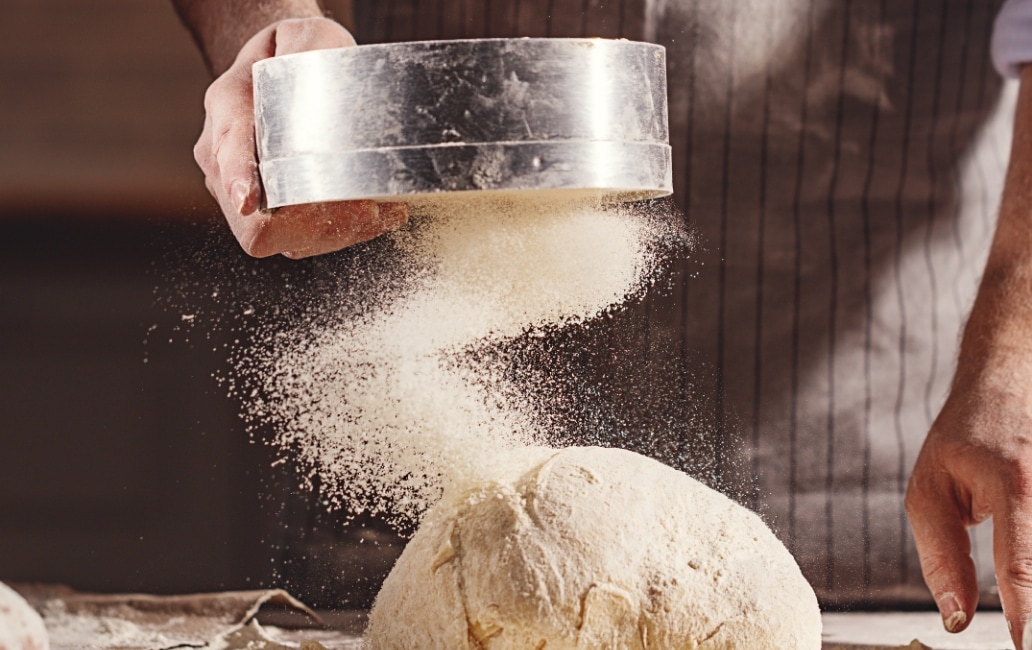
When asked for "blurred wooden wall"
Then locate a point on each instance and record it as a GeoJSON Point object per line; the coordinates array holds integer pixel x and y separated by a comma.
{"type": "Point", "coordinates": [123, 465]}
{"type": "Point", "coordinates": [102, 100]}
{"type": "Point", "coordinates": [101, 104]}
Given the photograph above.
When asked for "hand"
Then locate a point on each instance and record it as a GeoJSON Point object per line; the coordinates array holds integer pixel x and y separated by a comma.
{"type": "Point", "coordinates": [226, 155]}
{"type": "Point", "coordinates": [976, 463]}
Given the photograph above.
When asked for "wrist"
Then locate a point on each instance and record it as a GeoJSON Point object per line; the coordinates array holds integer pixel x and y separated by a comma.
{"type": "Point", "coordinates": [999, 330]}
{"type": "Point", "coordinates": [222, 28]}
{"type": "Point", "coordinates": [997, 343]}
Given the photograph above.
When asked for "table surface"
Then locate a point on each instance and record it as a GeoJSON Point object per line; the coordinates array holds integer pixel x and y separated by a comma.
{"type": "Point", "coordinates": [842, 631]}
{"type": "Point", "coordinates": [880, 630]}
{"type": "Point", "coordinates": [253, 619]}
{"type": "Point", "coordinates": [851, 631]}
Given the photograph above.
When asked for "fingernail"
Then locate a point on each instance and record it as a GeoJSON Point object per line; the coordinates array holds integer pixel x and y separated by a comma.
{"type": "Point", "coordinates": [953, 617]}
{"type": "Point", "coordinates": [240, 191]}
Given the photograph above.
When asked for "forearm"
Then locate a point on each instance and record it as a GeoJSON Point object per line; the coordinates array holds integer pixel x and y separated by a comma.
{"type": "Point", "coordinates": [221, 27]}
{"type": "Point", "coordinates": [1001, 320]}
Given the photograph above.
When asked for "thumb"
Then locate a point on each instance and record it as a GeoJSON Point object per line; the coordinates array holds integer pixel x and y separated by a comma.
{"type": "Point", "coordinates": [943, 545]}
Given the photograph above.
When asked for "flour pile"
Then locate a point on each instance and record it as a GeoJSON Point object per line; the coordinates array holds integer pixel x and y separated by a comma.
{"type": "Point", "coordinates": [389, 406]}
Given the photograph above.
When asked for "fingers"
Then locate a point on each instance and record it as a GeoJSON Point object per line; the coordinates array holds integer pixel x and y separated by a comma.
{"type": "Point", "coordinates": [940, 533]}
{"type": "Point", "coordinates": [344, 224]}
{"type": "Point", "coordinates": [226, 154]}
{"type": "Point", "coordinates": [225, 151]}
{"type": "Point", "coordinates": [1012, 549]}
{"type": "Point", "coordinates": [304, 230]}
{"type": "Point", "coordinates": [239, 191]}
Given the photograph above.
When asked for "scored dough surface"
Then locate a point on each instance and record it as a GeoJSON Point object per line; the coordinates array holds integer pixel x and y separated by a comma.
{"type": "Point", "coordinates": [595, 548]}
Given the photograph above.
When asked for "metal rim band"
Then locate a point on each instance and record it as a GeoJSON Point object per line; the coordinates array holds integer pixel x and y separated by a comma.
{"type": "Point", "coordinates": [437, 117]}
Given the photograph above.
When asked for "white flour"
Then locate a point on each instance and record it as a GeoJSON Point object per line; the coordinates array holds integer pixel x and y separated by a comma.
{"type": "Point", "coordinates": [400, 406]}
{"type": "Point", "coordinates": [388, 407]}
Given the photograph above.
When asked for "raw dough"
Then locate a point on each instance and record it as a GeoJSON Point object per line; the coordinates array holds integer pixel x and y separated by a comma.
{"type": "Point", "coordinates": [21, 628]}
{"type": "Point", "coordinates": [595, 548]}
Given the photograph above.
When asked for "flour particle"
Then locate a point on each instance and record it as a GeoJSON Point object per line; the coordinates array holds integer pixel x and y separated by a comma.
{"type": "Point", "coordinates": [386, 403]}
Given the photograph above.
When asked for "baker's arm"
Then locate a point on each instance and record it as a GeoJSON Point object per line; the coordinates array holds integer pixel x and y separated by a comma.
{"type": "Point", "coordinates": [233, 35]}
{"type": "Point", "coordinates": [221, 27]}
{"type": "Point", "coordinates": [976, 462]}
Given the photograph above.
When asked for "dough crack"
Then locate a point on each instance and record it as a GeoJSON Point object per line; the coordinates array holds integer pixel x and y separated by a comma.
{"type": "Point", "coordinates": [455, 542]}
{"type": "Point", "coordinates": [535, 483]}
{"type": "Point", "coordinates": [706, 639]}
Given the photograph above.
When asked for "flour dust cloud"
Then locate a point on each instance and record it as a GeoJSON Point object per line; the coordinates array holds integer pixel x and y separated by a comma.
{"type": "Point", "coordinates": [402, 380]}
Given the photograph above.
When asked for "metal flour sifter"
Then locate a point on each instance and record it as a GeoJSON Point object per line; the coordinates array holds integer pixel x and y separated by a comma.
{"type": "Point", "coordinates": [433, 120]}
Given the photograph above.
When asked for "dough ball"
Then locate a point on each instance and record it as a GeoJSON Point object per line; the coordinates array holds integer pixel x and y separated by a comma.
{"type": "Point", "coordinates": [595, 548]}
{"type": "Point", "coordinates": [21, 628]}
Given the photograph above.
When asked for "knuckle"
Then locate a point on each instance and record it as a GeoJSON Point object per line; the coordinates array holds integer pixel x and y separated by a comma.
{"type": "Point", "coordinates": [1018, 477]}
{"type": "Point", "coordinates": [236, 140]}
{"type": "Point", "coordinates": [936, 566]}
{"type": "Point", "coordinates": [214, 151]}
{"type": "Point", "coordinates": [299, 29]}
{"type": "Point", "coordinates": [919, 496]}
{"type": "Point", "coordinates": [258, 241]}
{"type": "Point", "coordinates": [912, 505]}
{"type": "Point", "coordinates": [213, 95]}
{"type": "Point", "coordinates": [210, 98]}
{"type": "Point", "coordinates": [1017, 572]}
{"type": "Point", "coordinates": [202, 154]}
{"type": "Point", "coordinates": [912, 502]}
{"type": "Point", "coordinates": [289, 29]}
{"type": "Point", "coordinates": [219, 138]}
{"type": "Point", "coordinates": [208, 183]}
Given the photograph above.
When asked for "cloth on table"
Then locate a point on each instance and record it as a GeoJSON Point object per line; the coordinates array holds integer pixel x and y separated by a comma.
{"type": "Point", "coordinates": [146, 622]}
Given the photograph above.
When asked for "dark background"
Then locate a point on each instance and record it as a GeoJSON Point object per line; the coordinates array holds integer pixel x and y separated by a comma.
{"type": "Point", "coordinates": [124, 466]}
{"type": "Point", "coordinates": [123, 463]}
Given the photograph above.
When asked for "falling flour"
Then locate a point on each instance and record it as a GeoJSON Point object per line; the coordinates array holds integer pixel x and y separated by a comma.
{"type": "Point", "coordinates": [388, 406]}
{"type": "Point", "coordinates": [520, 545]}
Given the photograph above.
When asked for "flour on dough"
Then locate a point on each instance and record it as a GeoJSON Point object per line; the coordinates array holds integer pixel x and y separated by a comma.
{"type": "Point", "coordinates": [21, 628]}
{"type": "Point", "coordinates": [595, 548]}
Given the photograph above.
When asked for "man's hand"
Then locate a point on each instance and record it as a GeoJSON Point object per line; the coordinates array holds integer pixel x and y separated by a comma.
{"type": "Point", "coordinates": [226, 154]}
{"type": "Point", "coordinates": [976, 462]}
